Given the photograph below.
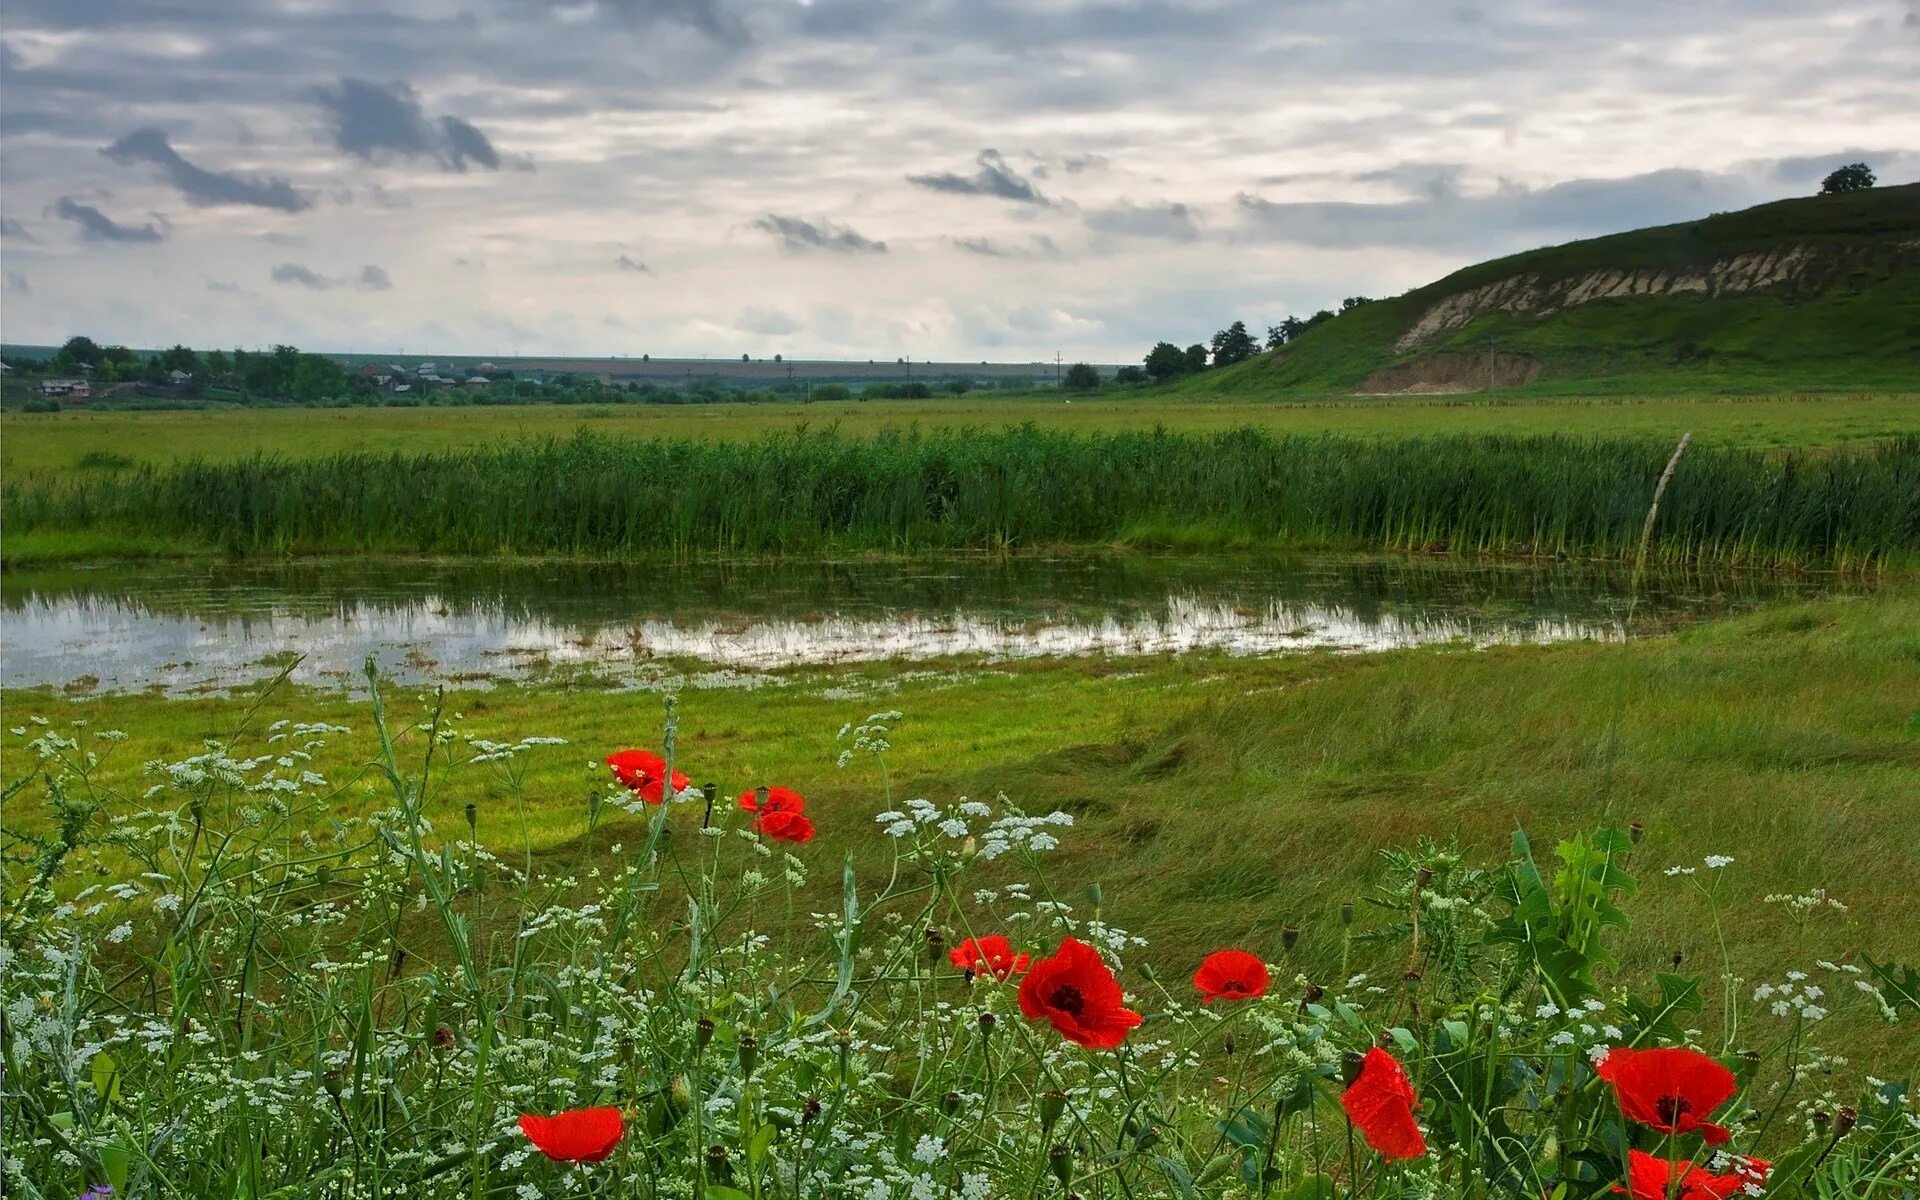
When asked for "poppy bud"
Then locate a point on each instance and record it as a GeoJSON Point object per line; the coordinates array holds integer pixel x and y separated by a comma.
{"type": "Point", "coordinates": [1346, 912]}
{"type": "Point", "coordinates": [1229, 1043]}
{"type": "Point", "coordinates": [1052, 1104]}
{"type": "Point", "coordinates": [1350, 1065]}
{"type": "Point", "coordinates": [1843, 1120]}
{"type": "Point", "coordinates": [809, 1111]}
{"type": "Point", "coordinates": [473, 818]}
{"type": "Point", "coordinates": [749, 1054]}
{"type": "Point", "coordinates": [987, 1022]}
{"type": "Point", "coordinates": [1148, 973]}
{"type": "Point", "coordinates": [950, 1103]}
{"type": "Point", "coordinates": [442, 1037]}
{"type": "Point", "coordinates": [679, 1094]}
{"type": "Point", "coordinates": [702, 1033]}
{"type": "Point", "coordinates": [1289, 937]}
{"type": "Point", "coordinates": [1635, 832]}
{"type": "Point", "coordinates": [717, 1167]}
{"type": "Point", "coordinates": [1061, 1160]}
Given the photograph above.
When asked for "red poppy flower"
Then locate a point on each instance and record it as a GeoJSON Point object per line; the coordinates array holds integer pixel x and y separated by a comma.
{"type": "Point", "coordinates": [1380, 1103]}
{"type": "Point", "coordinates": [1077, 992]}
{"type": "Point", "coordinates": [991, 955]}
{"type": "Point", "coordinates": [1231, 975]}
{"type": "Point", "coordinates": [784, 826]}
{"type": "Point", "coordinates": [1669, 1089]}
{"type": "Point", "coordinates": [583, 1135]}
{"type": "Point", "coordinates": [642, 771]}
{"type": "Point", "coordinates": [779, 799]}
{"type": "Point", "coordinates": [1650, 1177]}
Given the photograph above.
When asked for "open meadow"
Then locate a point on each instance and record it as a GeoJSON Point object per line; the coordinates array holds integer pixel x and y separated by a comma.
{"type": "Point", "coordinates": [64, 441]}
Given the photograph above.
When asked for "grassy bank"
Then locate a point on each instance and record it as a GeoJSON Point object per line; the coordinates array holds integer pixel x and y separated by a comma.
{"type": "Point", "coordinates": [1006, 490]}
{"type": "Point", "coordinates": [1219, 799]}
{"type": "Point", "coordinates": [95, 441]}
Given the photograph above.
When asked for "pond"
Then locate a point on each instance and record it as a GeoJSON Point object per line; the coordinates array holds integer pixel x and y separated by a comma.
{"type": "Point", "coordinates": [192, 628]}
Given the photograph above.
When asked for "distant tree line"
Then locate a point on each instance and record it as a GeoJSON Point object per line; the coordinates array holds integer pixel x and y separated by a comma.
{"type": "Point", "coordinates": [1234, 344]}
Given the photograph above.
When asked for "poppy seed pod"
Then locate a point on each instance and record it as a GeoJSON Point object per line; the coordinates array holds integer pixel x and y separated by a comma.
{"type": "Point", "coordinates": [1052, 1104]}
{"type": "Point", "coordinates": [473, 818]}
{"type": "Point", "coordinates": [1423, 877]}
{"type": "Point", "coordinates": [1822, 1118]}
{"type": "Point", "coordinates": [1677, 958]}
{"type": "Point", "coordinates": [1289, 937]}
{"type": "Point", "coordinates": [717, 1166]}
{"type": "Point", "coordinates": [759, 795]}
{"type": "Point", "coordinates": [1350, 1065]}
{"type": "Point", "coordinates": [1228, 1044]}
{"type": "Point", "coordinates": [749, 1054]}
{"type": "Point", "coordinates": [442, 1037]}
{"type": "Point", "coordinates": [1843, 1119]}
{"type": "Point", "coordinates": [950, 1103]}
{"type": "Point", "coordinates": [809, 1111]}
{"type": "Point", "coordinates": [1313, 993]}
{"type": "Point", "coordinates": [702, 1033]}
{"type": "Point", "coordinates": [987, 1022]}
{"type": "Point", "coordinates": [1346, 912]}
{"type": "Point", "coordinates": [936, 944]}
{"type": "Point", "coordinates": [1061, 1160]}
{"type": "Point", "coordinates": [1635, 832]}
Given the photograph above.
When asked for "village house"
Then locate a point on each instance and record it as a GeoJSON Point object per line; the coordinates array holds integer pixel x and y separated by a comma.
{"type": "Point", "coordinates": [73, 389]}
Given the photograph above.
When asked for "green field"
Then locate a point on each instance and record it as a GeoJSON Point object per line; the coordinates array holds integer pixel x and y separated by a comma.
{"type": "Point", "coordinates": [1217, 799]}
{"type": "Point", "coordinates": [62, 441]}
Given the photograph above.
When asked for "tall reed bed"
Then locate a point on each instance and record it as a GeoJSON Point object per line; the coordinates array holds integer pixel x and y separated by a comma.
{"type": "Point", "coordinates": [947, 489]}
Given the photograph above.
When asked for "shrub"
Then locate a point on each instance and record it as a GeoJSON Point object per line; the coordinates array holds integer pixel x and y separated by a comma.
{"type": "Point", "coordinates": [255, 978]}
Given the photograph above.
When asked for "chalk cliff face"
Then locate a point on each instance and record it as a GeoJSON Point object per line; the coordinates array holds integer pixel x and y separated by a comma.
{"type": "Point", "coordinates": [1800, 268]}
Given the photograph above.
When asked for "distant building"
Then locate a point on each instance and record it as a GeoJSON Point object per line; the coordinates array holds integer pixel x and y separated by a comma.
{"type": "Point", "coordinates": [427, 368]}
{"type": "Point", "coordinates": [179, 378]}
{"type": "Point", "coordinates": [482, 380]}
{"type": "Point", "coordinates": [485, 368]}
{"type": "Point", "coordinates": [78, 389]}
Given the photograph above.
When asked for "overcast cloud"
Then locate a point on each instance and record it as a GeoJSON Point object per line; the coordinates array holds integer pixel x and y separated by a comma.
{"type": "Point", "coordinates": [957, 179]}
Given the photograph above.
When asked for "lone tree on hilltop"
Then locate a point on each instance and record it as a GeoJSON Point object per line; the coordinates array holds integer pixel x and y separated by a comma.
{"type": "Point", "coordinates": [1165, 361]}
{"type": "Point", "coordinates": [1854, 177]}
{"type": "Point", "coordinates": [1081, 377]}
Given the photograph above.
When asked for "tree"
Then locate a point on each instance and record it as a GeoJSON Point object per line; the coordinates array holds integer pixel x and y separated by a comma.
{"type": "Point", "coordinates": [1130, 375]}
{"type": "Point", "coordinates": [1854, 177]}
{"type": "Point", "coordinates": [1165, 361]}
{"type": "Point", "coordinates": [78, 350]}
{"type": "Point", "coordinates": [1081, 377]}
{"type": "Point", "coordinates": [1233, 344]}
{"type": "Point", "coordinates": [1196, 357]}
{"type": "Point", "coordinates": [1353, 302]}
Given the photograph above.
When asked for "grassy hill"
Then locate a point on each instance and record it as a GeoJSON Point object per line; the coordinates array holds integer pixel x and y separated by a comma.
{"type": "Point", "coordinates": [1818, 293]}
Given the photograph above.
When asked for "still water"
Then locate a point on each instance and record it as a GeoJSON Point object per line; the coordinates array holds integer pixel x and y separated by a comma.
{"type": "Point", "coordinates": [200, 627]}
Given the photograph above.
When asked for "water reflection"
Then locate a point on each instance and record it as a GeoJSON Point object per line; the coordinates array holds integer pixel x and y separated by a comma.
{"type": "Point", "coordinates": [184, 627]}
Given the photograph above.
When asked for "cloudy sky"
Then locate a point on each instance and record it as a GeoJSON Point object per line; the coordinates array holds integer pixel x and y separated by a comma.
{"type": "Point", "coordinates": [955, 179]}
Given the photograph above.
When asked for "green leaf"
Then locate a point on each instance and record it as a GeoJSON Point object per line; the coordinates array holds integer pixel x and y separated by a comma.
{"type": "Point", "coordinates": [114, 1158]}
{"type": "Point", "coordinates": [106, 1077]}
{"type": "Point", "coordinates": [1313, 1187]}
{"type": "Point", "coordinates": [762, 1140]}
{"type": "Point", "coordinates": [1177, 1175]}
{"type": "Point", "coordinates": [719, 1191]}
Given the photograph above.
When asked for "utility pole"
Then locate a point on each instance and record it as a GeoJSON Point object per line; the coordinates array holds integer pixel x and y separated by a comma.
{"type": "Point", "coordinates": [1056, 366]}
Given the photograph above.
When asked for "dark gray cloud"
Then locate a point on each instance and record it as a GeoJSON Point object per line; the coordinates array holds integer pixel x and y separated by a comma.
{"type": "Point", "coordinates": [96, 226]}
{"type": "Point", "coordinates": [994, 178]}
{"type": "Point", "coordinates": [1037, 245]}
{"type": "Point", "coordinates": [710, 17]}
{"type": "Point", "coordinates": [627, 262]}
{"type": "Point", "coordinates": [374, 121]}
{"type": "Point", "coordinates": [200, 186]}
{"type": "Point", "coordinates": [10, 228]}
{"type": "Point", "coordinates": [1173, 222]}
{"type": "Point", "coordinates": [371, 278]}
{"type": "Point", "coordinates": [798, 234]}
{"type": "Point", "coordinates": [1509, 217]}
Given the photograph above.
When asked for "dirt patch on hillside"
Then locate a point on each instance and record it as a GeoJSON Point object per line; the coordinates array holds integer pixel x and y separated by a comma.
{"type": "Point", "coordinates": [1451, 371]}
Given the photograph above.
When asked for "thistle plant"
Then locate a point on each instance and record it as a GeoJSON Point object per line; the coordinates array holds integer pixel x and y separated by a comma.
{"type": "Point", "coordinates": [268, 974]}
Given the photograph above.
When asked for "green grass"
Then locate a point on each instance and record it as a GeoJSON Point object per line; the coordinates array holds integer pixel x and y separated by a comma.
{"type": "Point", "coordinates": [1851, 323]}
{"type": "Point", "coordinates": [70, 441]}
{"type": "Point", "coordinates": [1218, 799]}
{"type": "Point", "coordinates": [1015, 489]}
